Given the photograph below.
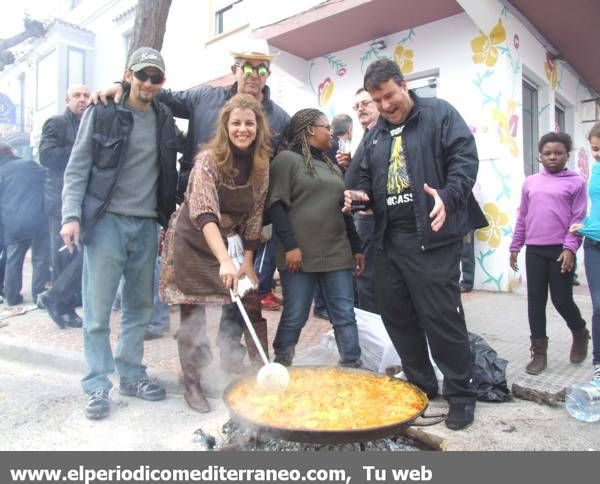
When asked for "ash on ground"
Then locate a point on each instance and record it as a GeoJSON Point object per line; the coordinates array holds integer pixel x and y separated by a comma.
{"type": "Point", "coordinates": [236, 437]}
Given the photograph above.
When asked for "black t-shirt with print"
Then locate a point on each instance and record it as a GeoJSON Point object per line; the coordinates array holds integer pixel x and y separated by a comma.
{"type": "Point", "coordinates": [400, 204]}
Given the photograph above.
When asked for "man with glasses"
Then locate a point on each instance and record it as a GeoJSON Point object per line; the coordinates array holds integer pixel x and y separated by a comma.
{"type": "Point", "coordinates": [367, 114]}
{"type": "Point", "coordinates": [121, 178]}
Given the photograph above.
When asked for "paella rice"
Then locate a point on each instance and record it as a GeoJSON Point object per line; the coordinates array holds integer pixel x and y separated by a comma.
{"type": "Point", "coordinates": [329, 399]}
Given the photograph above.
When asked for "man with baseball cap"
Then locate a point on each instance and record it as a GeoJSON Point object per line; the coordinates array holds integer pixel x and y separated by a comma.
{"type": "Point", "coordinates": [120, 180]}
{"type": "Point", "coordinates": [201, 105]}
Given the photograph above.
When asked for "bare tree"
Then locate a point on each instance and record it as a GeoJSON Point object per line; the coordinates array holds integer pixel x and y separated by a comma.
{"type": "Point", "coordinates": [150, 24]}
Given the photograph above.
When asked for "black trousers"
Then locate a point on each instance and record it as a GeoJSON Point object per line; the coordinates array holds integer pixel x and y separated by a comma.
{"type": "Point", "coordinates": [66, 270]}
{"type": "Point", "coordinates": [543, 270]}
{"type": "Point", "coordinates": [467, 261]}
{"type": "Point", "coordinates": [40, 261]}
{"type": "Point", "coordinates": [419, 301]}
{"type": "Point", "coordinates": [365, 283]}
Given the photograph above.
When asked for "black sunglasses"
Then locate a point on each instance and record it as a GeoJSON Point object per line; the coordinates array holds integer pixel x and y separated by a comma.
{"type": "Point", "coordinates": [144, 76]}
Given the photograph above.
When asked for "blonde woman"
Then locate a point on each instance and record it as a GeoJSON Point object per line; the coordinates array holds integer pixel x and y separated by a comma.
{"type": "Point", "coordinates": [225, 196]}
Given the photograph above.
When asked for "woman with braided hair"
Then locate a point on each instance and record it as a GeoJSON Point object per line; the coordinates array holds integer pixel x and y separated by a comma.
{"type": "Point", "coordinates": [316, 244]}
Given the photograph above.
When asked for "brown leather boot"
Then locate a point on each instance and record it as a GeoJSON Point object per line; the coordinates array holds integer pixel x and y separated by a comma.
{"type": "Point", "coordinates": [194, 397]}
{"type": "Point", "coordinates": [539, 359]}
{"type": "Point", "coordinates": [579, 347]}
{"type": "Point", "coordinates": [194, 354]}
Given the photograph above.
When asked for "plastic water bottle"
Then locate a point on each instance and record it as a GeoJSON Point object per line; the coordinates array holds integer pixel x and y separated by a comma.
{"type": "Point", "coordinates": [583, 401]}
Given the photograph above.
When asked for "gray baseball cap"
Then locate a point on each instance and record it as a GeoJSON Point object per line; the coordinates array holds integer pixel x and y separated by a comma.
{"type": "Point", "coordinates": [146, 57]}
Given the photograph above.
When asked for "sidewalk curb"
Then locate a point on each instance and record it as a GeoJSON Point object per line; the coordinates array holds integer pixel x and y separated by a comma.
{"type": "Point", "coordinates": [68, 361]}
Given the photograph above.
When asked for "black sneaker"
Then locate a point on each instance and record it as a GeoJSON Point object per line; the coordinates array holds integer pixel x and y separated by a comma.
{"type": "Point", "coordinates": [73, 320]}
{"type": "Point", "coordinates": [460, 415]}
{"type": "Point", "coordinates": [98, 405]}
{"type": "Point", "coordinates": [145, 389]}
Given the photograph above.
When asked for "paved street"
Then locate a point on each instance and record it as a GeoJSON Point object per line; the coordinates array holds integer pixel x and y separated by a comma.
{"type": "Point", "coordinates": [42, 406]}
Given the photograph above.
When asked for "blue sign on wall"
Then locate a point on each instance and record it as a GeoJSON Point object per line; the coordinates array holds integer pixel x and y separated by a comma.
{"type": "Point", "coordinates": [8, 113]}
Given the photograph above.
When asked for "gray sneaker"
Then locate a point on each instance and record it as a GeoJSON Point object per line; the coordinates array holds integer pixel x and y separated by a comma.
{"type": "Point", "coordinates": [144, 388]}
{"type": "Point", "coordinates": [98, 405]}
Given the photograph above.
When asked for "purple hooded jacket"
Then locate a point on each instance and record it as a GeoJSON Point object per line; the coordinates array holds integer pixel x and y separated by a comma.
{"type": "Point", "coordinates": [550, 203]}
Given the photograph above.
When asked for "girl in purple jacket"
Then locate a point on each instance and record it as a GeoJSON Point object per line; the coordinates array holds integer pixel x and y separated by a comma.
{"type": "Point", "coordinates": [551, 201]}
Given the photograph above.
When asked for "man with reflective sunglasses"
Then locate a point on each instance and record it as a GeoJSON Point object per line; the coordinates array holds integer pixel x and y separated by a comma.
{"type": "Point", "coordinates": [201, 105]}
{"type": "Point", "coordinates": [120, 180]}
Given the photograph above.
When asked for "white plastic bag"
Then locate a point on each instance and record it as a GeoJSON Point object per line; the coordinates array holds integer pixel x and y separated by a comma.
{"type": "Point", "coordinates": [378, 352]}
{"type": "Point", "coordinates": [235, 248]}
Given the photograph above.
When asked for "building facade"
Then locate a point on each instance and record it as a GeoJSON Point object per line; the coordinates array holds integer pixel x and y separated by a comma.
{"type": "Point", "coordinates": [509, 81]}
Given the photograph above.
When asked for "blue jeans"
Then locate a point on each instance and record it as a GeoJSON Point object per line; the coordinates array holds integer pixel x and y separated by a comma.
{"type": "Point", "coordinates": [159, 322]}
{"type": "Point", "coordinates": [591, 249]}
{"type": "Point", "coordinates": [298, 292]}
{"type": "Point", "coordinates": [264, 266]}
{"type": "Point", "coordinates": [121, 246]}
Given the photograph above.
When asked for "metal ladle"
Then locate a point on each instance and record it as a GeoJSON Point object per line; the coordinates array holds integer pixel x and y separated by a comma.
{"type": "Point", "coordinates": [272, 377]}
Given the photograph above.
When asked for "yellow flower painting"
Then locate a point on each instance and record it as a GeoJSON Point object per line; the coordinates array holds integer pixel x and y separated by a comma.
{"type": "Point", "coordinates": [404, 58]}
{"type": "Point", "coordinates": [325, 91]}
{"type": "Point", "coordinates": [492, 234]}
{"type": "Point", "coordinates": [483, 46]}
{"type": "Point", "coordinates": [508, 123]}
{"type": "Point", "coordinates": [551, 70]}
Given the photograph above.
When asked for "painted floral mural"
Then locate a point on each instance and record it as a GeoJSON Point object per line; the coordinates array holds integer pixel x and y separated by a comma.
{"type": "Point", "coordinates": [551, 70]}
{"type": "Point", "coordinates": [404, 58]}
{"type": "Point", "coordinates": [325, 91]}
{"type": "Point", "coordinates": [508, 123]}
{"type": "Point", "coordinates": [497, 220]}
{"type": "Point", "coordinates": [484, 46]}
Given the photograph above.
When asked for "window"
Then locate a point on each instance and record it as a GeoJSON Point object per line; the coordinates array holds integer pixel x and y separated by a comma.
{"type": "Point", "coordinates": [530, 127]}
{"type": "Point", "coordinates": [47, 73]}
{"type": "Point", "coordinates": [75, 66]}
{"type": "Point", "coordinates": [224, 18]}
{"type": "Point", "coordinates": [424, 86]}
{"type": "Point", "coordinates": [559, 118]}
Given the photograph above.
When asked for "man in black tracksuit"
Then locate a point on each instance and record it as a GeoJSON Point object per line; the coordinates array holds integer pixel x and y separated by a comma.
{"type": "Point", "coordinates": [58, 136]}
{"type": "Point", "coordinates": [418, 170]}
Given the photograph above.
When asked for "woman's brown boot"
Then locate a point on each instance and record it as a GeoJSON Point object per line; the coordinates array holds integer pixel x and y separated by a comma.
{"type": "Point", "coordinates": [194, 354]}
{"type": "Point", "coordinates": [579, 347]}
{"type": "Point", "coordinates": [194, 397]}
{"type": "Point", "coordinates": [539, 359]}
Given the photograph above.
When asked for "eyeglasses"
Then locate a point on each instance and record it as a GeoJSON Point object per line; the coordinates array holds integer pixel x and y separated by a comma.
{"type": "Point", "coordinates": [261, 70]}
{"type": "Point", "coordinates": [326, 126]}
{"type": "Point", "coordinates": [143, 76]}
{"type": "Point", "coordinates": [362, 104]}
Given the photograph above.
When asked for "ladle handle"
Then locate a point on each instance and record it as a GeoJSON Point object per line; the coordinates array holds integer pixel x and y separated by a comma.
{"type": "Point", "coordinates": [238, 301]}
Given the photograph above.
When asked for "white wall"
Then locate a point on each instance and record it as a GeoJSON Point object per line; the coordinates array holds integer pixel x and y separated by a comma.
{"type": "Point", "coordinates": [489, 99]}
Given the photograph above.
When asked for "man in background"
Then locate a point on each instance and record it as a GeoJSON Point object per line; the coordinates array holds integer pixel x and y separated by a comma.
{"type": "Point", "coordinates": [23, 223]}
{"type": "Point", "coordinates": [58, 136]}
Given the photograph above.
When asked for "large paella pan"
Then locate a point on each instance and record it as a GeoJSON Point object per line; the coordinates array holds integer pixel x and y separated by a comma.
{"type": "Point", "coordinates": [329, 405]}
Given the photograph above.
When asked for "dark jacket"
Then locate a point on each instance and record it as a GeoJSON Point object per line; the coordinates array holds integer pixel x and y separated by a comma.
{"type": "Point", "coordinates": [201, 105]}
{"type": "Point", "coordinates": [58, 135]}
{"type": "Point", "coordinates": [112, 125]}
{"type": "Point", "coordinates": [440, 150]}
{"type": "Point", "coordinates": [21, 200]}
